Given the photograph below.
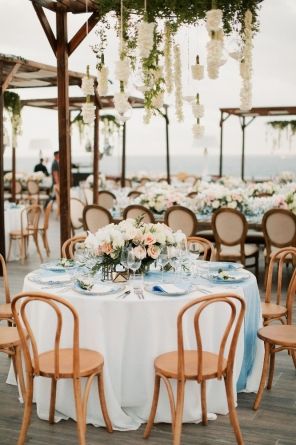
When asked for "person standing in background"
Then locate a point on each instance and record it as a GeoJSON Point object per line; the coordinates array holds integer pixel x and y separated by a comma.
{"type": "Point", "coordinates": [41, 167]}
{"type": "Point", "coordinates": [55, 170]}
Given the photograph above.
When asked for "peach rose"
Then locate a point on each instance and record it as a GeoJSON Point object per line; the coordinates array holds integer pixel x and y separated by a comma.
{"type": "Point", "coordinates": [153, 251]}
{"type": "Point", "coordinates": [149, 239]}
{"type": "Point", "coordinates": [106, 248]}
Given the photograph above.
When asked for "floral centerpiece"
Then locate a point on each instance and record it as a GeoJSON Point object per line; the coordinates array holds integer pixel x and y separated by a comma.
{"type": "Point", "coordinates": [36, 176]}
{"type": "Point", "coordinates": [145, 240]}
{"type": "Point", "coordinates": [291, 201]}
{"type": "Point", "coordinates": [285, 177]}
{"type": "Point", "coordinates": [18, 177]}
{"type": "Point", "coordinates": [102, 181]}
{"type": "Point", "coordinates": [160, 200]}
{"type": "Point", "coordinates": [214, 198]}
{"type": "Point", "coordinates": [267, 188]}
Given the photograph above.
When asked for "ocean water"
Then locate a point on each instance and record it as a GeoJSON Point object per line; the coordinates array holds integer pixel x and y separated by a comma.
{"type": "Point", "coordinates": [256, 167]}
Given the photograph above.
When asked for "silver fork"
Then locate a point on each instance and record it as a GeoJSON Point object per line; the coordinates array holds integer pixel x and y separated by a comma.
{"type": "Point", "coordinates": [139, 293]}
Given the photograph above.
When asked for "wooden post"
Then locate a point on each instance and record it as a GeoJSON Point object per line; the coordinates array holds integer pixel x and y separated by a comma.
{"type": "Point", "coordinates": [167, 122]}
{"type": "Point", "coordinates": [2, 222]}
{"type": "Point", "coordinates": [221, 145]}
{"type": "Point", "coordinates": [123, 161]}
{"type": "Point", "coordinates": [64, 124]}
{"type": "Point", "coordinates": [243, 125]}
{"type": "Point", "coordinates": [13, 168]}
{"type": "Point", "coordinates": [96, 156]}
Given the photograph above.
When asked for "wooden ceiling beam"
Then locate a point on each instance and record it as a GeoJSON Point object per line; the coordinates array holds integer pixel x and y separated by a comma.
{"type": "Point", "coordinates": [82, 32]}
{"type": "Point", "coordinates": [10, 76]}
{"type": "Point", "coordinates": [48, 4]}
{"type": "Point", "coordinates": [46, 26]}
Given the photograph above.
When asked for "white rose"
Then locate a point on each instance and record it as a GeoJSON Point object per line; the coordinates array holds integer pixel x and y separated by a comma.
{"type": "Point", "coordinates": [215, 204]}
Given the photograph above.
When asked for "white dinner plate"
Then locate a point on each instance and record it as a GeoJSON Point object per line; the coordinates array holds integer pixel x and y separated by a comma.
{"type": "Point", "coordinates": [54, 266]}
{"type": "Point", "coordinates": [50, 279]}
{"type": "Point", "coordinates": [216, 265]}
{"type": "Point", "coordinates": [99, 289]}
{"type": "Point", "coordinates": [234, 277]}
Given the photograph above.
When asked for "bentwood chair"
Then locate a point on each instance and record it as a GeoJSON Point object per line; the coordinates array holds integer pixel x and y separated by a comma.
{"type": "Point", "coordinates": [58, 363]}
{"type": "Point", "coordinates": [29, 228]}
{"type": "Point", "coordinates": [135, 211]}
{"type": "Point", "coordinates": [44, 228]}
{"type": "Point", "coordinates": [68, 248]}
{"type": "Point", "coordinates": [181, 218]}
{"type": "Point", "coordinates": [205, 247]}
{"type": "Point", "coordinates": [144, 180]}
{"type": "Point", "coordinates": [76, 212]}
{"type": "Point", "coordinates": [106, 199]}
{"type": "Point", "coordinates": [95, 217]}
{"type": "Point", "coordinates": [279, 310]}
{"type": "Point", "coordinates": [33, 195]}
{"type": "Point", "coordinates": [134, 194]}
{"type": "Point", "coordinates": [199, 365]}
{"type": "Point", "coordinates": [192, 195]}
{"type": "Point", "coordinates": [5, 308]}
{"type": "Point", "coordinates": [279, 228]}
{"type": "Point", "coordinates": [88, 195]}
{"type": "Point", "coordinates": [230, 230]}
{"type": "Point", "coordinates": [276, 338]}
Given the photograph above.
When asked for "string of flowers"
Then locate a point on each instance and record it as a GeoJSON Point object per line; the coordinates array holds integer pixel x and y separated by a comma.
{"type": "Point", "coordinates": [178, 83]}
{"type": "Point", "coordinates": [88, 108]}
{"type": "Point", "coordinates": [197, 70]}
{"type": "Point", "coordinates": [246, 65]}
{"type": "Point", "coordinates": [12, 104]}
{"type": "Point", "coordinates": [198, 113]}
{"type": "Point", "coordinates": [216, 43]}
{"type": "Point", "coordinates": [168, 68]}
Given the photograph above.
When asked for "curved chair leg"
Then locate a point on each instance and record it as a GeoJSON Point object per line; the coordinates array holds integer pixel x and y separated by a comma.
{"type": "Point", "coordinates": [20, 374]}
{"type": "Point", "coordinates": [232, 410]}
{"type": "Point", "coordinates": [79, 411]}
{"type": "Point", "coordinates": [52, 400]}
{"type": "Point", "coordinates": [179, 412]}
{"type": "Point", "coordinates": [271, 368]}
{"type": "Point", "coordinates": [263, 376]}
{"type": "Point", "coordinates": [293, 353]}
{"type": "Point", "coordinates": [203, 393]}
{"type": "Point", "coordinates": [103, 403]}
{"type": "Point", "coordinates": [35, 237]}
{"type": "Point", "coordinates": [27, 412]}
{"type": "Point", "coordinates": [171, 400]}
{"type": "Point", "coordinates": [153, 407]}
{"type": "Point", "coordinates": [9, 248]}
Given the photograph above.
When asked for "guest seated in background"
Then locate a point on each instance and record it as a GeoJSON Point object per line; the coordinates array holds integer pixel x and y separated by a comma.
{"type": "Point", "coordinates": [41, 167]}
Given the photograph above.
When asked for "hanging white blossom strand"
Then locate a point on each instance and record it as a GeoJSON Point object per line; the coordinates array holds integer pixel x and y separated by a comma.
{"type": "Point", "coordinates": [87, 84]}
{"type": "Point", "coordinates": [246, 65]}
{"type": "Point", "coordinates": [197, 70]}
{"type": "Point", "coordinates": [121, 103]}
{"type": "Point", "coordinates": [145, 38]}
{"type": "Point", "coordinates": [178, 84]}
{"type": "Point", "coordinates": [168, 69]}
{"type": "Point", "coordinates": [122, 70]}
{"type": "Point", "coordinates": [198, 130]}
{"type": "Point", "coordinates": [214, 19]}
{"type": "Point", "coordinates": [88, 108]}
{"type": "Point", "coordinates": [103, 81]}
{"type": "Point", "coordinates": [88, 112]}
{"type": "Point", "coordinates": [215, 45]}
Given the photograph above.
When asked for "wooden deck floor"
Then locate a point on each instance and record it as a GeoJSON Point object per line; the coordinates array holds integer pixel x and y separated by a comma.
{"type": "Point", "coordinates": [274, 423]}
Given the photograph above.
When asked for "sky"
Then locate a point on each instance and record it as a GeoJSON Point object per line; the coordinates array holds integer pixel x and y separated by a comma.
{"type": "Point", "coordinates": [274, 66]}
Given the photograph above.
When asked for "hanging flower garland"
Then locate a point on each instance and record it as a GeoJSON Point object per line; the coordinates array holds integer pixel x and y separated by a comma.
{"type": "Point", "coordinates": [168, 66]}
{"type": "Point", "coordinates": [12, 103]}
{"type": "Point", "coordinates": [197, 70]}
{"type": "Point", "coordinates": [88, 108]}
{"type": "Point", "coordinates": [198, 113]}
{"type": "Point", "coordinates": [145, 38]}
{"type": "Point", "coordinates": [178, 83]}
{"type": "Point", "coordinates": [216, 44]}
{"type": "Point", "coordinates": [246, 65]}
{"type": "Point", "coordinates": [99, 49]}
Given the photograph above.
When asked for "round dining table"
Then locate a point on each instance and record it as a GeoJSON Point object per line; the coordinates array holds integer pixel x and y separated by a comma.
{"type": "Point", "coordinates": [130, 333]}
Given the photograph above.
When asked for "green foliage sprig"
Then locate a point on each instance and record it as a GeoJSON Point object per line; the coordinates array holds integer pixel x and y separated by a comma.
{"type": "Point", "coordinates": [282, 125]}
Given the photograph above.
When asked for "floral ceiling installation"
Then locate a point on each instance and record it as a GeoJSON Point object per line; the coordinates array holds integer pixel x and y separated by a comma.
{"type": "Point", "coordinates": [150, 54]}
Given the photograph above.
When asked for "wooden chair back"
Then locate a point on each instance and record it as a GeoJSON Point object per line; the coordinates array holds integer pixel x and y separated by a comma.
{"type": "Point", "coordinates": [5, 280]}
{"type": "Point", "coordinates": [33, 187]}
{"type": "Point", "coordinates": [181, 218]}
{"type": "Point", "coordinates": [234, 323]}
{"type": "Point", "coordinates": [144, 180]}
{"type": "Point", "coordinates": [76, 212]}
{"type": "Point", "coordinates": [30, 217]}
{"type": "Point", "coordinates": [192, 194]}
{"type": "Point", "coordinates": [128, 182]}
{"type": "Point", "coordinates": [18, 187]}
{"type": "Point", "coordinates": [276, 268]}
{"type": "Point", "coordinates": [164, 180]}
{"type": "Point", "coordinates": [279, 228]}
{"type": "Point", "coordinates": [206, 247]}
{"type": "Point", "coordinates": [68, 248]}
{"type": "Point", "coordinates": [60, 307]}
{"type": "Point", "coordinates": [47, 213]}
{"type": "Point", "coordinates": [230, 229]}
{"type": "Point", "coordinates": [106, 199]}
{"type": "Point", "coordinates": [134, 194]}
{"type": "Point", "coordinates": [134, 211]}
{"type": "Point", "coordinates": [88, 195]}
{"type": "Point", "coordinates": [95, 217]}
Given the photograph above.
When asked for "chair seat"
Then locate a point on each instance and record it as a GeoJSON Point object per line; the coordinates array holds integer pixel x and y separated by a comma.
{"type": "Point", "coordinates": [19, 233]}
{"type": "Point", "coordinates": [234, 251]}
{"type": "Point", "coordinates": [272, 310]}
{"type": "Point", "coordinates": [90, 362]}
{"type": "Point", "coordinates": [282, 335]}
{"type": "Point", "coordinates": [5, 311]}
{"type": "Point", "coordinates": [9, 337]}
{"type": "Point", "coordinates": [167, 364]}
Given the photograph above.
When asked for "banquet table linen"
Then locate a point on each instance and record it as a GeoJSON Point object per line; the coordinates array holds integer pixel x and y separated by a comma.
{"type": "Point", "coordinates": [130, 333]}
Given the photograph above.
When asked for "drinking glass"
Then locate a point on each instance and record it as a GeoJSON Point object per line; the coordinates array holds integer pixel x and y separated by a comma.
{"type": "Point", "coordinates": [163, 259]}
{"type": "Point", "coordinates": [124, 256]}
{"type": "Point", "coordinates": [138, 284]}
{"type": "Point", "coordinates": [133, 262]}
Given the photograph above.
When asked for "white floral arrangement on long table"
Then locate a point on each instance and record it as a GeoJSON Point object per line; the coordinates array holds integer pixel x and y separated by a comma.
{"type": "Point", "coordinates": [145, 240]}
{"type": "Point", "coordinates": [160, 200]}
{"type": "Point", "coordinates": [214, 198]}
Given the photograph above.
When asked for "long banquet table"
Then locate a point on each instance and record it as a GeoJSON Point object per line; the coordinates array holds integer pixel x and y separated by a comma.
{"type": "Point", "coordinates": [130, 333]}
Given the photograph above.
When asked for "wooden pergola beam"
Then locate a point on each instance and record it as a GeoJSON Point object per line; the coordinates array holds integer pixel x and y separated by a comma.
{"type": "Point", "coordinates": [82, 32]}
{"type": "Point", "coordinates": [46, 26]}
{"type": "Point", "coordinates": [9, 77]}
{"type": "Point", "coordinates": [2, 220]}
{"type": "Point", "coordinates": [48, 4]}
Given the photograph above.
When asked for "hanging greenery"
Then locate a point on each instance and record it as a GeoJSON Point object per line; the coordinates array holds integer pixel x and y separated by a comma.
{"type": "Point", "coordinates": [79, 122]}
{"type": "Point", "coordinates": [12, 103]}
{"type": "Point", "coordinates": [184, 12]}
{"type": "Point", "coordinates": [282, 125]}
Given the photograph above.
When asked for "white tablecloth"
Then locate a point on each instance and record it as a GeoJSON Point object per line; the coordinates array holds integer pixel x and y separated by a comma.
{"type": "Point", "coordinates": [130, 333]}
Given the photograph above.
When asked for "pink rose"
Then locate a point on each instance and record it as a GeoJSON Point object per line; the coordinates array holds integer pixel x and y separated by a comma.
{"type": "Point", "coordinates": [153, 251]}
{"type": "Point", "coordinates": [149, 239]}
{"type": "Point", "coordinates": [106, 248]}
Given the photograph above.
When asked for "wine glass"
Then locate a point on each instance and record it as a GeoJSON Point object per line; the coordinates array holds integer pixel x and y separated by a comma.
{"type": "Point", "coordinates": [124, 256]}
{"type": "Point", "coordinates": [133, 262]}
{"type": "Point", "coordinates": [194, 249]}
{"type": "Point", "coordinates": [163, 259]}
